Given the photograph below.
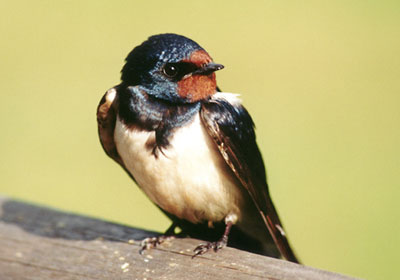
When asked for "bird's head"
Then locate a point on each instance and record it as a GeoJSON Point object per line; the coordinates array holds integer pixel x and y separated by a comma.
{"type": "Point", "coordinates": [172, 68]}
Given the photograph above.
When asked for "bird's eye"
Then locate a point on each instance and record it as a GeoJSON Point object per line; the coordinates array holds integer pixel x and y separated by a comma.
{"type": "Point", "coordinates": [170, 70]}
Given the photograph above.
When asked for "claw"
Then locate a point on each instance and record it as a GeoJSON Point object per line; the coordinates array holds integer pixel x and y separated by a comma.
{"type": "Point", "coordinates": [153, 242]}
{"type": "Point", "coordinates": [204, 248]}
{"type": "Point", "coordinates": [216, 246]}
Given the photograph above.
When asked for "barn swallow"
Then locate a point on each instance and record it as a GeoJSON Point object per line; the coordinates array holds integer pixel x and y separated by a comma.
{"type": "Point", "coordinates": [190, 147]}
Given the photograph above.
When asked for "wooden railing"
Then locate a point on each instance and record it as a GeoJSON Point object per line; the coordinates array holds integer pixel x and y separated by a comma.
{"type": "Point", "coordinates": [42, 243]}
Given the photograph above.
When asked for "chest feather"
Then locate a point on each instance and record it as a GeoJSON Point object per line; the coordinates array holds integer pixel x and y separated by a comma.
{"type": "Point", "coordinates": [189, 179]}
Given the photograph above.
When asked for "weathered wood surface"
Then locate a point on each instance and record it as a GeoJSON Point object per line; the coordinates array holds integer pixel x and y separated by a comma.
{"type": "Point", "coordinates": [41, 243]}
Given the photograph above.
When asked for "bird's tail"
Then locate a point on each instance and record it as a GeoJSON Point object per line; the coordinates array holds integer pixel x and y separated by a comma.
{"type": "Point", "coordinates": [275, 228]}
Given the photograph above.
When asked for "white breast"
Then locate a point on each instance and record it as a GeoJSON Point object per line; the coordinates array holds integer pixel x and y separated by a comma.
{"type": "Point", "coordinates": [190, 179]}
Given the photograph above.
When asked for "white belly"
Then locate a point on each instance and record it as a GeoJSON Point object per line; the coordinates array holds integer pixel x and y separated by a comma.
{"type": "Point", "coordinates": [191, 181]}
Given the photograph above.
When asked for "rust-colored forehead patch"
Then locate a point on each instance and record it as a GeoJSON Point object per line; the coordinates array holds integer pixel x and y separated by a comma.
{"type": "Point", "coordinates": [199, 58]}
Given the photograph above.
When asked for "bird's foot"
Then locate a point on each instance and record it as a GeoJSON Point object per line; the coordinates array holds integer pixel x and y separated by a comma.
{"type": "Point", "coordinates": [153, 242]}
{"type": "Point", "coordinates": [216, 246]}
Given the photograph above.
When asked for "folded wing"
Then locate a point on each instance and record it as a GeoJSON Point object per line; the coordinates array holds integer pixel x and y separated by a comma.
{"type": "Point", "coordinates": [232, 130]}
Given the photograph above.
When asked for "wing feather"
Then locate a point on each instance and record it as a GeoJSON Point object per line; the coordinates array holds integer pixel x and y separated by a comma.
{"type": "Point", "coordinates": [232, 129]}
{"type": "Point", "coordinates": [106, 118]}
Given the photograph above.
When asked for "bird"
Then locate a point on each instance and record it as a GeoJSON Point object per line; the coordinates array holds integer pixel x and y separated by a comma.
{"type": "Point", "coordinates": [191, 148]}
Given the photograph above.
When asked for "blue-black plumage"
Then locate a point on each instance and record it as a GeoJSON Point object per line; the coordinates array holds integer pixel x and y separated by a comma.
{"type": "Point", "coordinates": [191, 148]}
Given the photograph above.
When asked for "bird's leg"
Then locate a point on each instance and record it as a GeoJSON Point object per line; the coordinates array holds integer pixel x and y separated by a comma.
{"type": "Point", "coordinates": [153, 242]}
{"type": "Point", "coordinates": [203, 248]}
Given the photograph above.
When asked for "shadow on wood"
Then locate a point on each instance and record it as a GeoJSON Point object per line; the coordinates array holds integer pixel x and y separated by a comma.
{"type": "Point", "coordinates": [41, 243]}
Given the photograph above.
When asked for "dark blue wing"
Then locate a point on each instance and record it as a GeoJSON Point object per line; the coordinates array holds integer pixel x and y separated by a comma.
{"type": "Point", "coordinates": [232, 129]}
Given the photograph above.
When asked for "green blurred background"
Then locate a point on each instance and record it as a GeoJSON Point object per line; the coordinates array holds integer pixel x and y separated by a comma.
{"type": "Point", "coordinates": [320, 78]}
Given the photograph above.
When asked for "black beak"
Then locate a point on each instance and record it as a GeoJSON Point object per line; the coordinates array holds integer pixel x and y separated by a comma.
{"type": "Point", "coordinates": [208, 69]}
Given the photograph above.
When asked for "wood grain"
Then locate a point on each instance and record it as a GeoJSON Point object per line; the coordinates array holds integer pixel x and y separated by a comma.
{"type": "Point", "coordinates": [42, 243]}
